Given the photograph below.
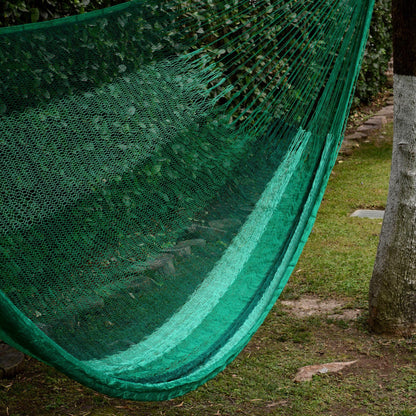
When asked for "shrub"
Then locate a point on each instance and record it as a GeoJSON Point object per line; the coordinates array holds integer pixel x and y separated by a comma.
{"type": "Point", "coordinates": [372, 78]}
{"type": "Point", "coordinates": [16, 12]}
{"type": "Point", "coordinates": [378, 53]}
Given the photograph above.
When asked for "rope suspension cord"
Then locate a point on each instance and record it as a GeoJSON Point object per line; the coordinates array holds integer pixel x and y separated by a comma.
{"type": "Point", "coordinates": [162, 164]}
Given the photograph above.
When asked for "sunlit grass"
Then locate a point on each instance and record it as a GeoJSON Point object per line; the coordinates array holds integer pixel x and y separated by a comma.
{"type": "Point", "coordinates": [339, 255]}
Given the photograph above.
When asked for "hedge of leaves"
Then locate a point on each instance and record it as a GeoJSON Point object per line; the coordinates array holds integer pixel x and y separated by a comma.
{"type": "Point", "coordinates": [372, 78]}
{"type": "Point", "coordinates": [16, 12]}
{"type": "Point", "coordinates": [377, 55]}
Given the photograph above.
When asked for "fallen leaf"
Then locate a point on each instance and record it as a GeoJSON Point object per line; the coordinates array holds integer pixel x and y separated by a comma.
{"type": "Point", "coordinates": [279, 403]}
{"type": "Point", "coordinates": [306, 373]}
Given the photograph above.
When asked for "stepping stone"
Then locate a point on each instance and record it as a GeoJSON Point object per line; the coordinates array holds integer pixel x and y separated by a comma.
{"type": "Point", "coordinates": [140, 284]}
{"type": "Point", "coordinates": [356, 136]}
{"type": "Point", "coordinates": [79, 308]}
{"type": "Point", "coordinates": [207, 233]}
{"type": "Point", "coordinates": [179, 251]}
{"type": "Point", "coordinates": [163, 264]}
{"type": "Point", "coordinates": [366, 128]}
{"type": "Point", "coordinates": [225, 224]}
{"type": "Point", "coordinates": [216, 229]}
{"type": "Point", "coordinates": [195, 242]}
{"type": "Point", "coordinates": [11, 360]}
{"type": "Point", "coordinates": [184, 248]}
{"type": "Point", "coordinates": [387, 112]}
{"type": "Point", "coordinates": [377, 121]}
{"type": "Point", "coordinates": [368, 213]}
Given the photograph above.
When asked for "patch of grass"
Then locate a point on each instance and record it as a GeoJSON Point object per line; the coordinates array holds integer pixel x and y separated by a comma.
{"type": "Point", "coordinates": [339, 255]}
{"type": "Point", "coordinates": [337, 262]}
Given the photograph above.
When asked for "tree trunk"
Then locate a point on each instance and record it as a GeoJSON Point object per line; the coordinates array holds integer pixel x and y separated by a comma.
{"type": "Point", "coordinates": [392, 303]}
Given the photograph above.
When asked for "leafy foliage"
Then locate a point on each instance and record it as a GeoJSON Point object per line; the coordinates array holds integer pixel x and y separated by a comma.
{"type": "Point", "coordinates": [16, 12]}
{"type": "Point", "coordinates": [102, 55]}
{"type": "Point", "coordinates": [372, 77]}
{"type": "Point", "coordinates": [378, 53]}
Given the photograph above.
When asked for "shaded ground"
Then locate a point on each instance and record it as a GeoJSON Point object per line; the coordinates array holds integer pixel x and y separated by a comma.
{"type": "Point", "coordinates": [312, 305]}
{"type": "Point", "coordinates": [260, 381]}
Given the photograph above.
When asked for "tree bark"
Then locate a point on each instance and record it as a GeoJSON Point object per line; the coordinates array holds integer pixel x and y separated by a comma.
{"type": "Point", "coordinates": [392, 300]}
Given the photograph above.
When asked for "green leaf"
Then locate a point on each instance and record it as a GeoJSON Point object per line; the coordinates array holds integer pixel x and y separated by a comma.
{"type": "Point", "coordinates": [34, 14]}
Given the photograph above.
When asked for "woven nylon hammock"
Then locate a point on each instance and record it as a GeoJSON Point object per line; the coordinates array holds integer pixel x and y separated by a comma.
{"type": "Point", "coordinates": [162, 163]}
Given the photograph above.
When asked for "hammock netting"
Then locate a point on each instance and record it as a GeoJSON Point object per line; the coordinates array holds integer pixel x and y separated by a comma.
{"type": "Point", "coordinates": [162, 163]}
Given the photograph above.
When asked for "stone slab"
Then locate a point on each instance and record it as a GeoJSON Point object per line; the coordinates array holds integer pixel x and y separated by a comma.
{"type": "Point", "coordinates": [225, 223]}
{"type": "Point", "coordinates": [366, 128]}
{"type": "Point", "coordinates": [378, 121]}
{"type": "Point", "coordinates": [196, 242]}
{"type": "Point", "coordinates": [368, 213]}
{"type": "Point", "coordinates": [179, 251]}
{"type": "Point", "coordinates": [356, 136]}
{"type": "Point", "coordinates": [163, 264]}
{"type": "Point", "coordinates": [387, 112]}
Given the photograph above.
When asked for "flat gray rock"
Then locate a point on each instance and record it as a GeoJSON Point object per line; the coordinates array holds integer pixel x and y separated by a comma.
{"type": "Point", "coordinates": [356, 136]}
{"type": "Point", "coordinates": [368, 213]}
{"type": "Point", "coordinates": [366, 128]}
{"type": "Point", "coordinates": [163, 264]}
{"type": "Point", "coordinates": [377, 121]}
{"type": "Point", "coordinates": [179, 251]}
{"type": "Point", "coordinates": [225, 223]}
{"type": "Point", "coordinates": [387, 112]}
{"type": "Point", "coordinates": [196, 242]}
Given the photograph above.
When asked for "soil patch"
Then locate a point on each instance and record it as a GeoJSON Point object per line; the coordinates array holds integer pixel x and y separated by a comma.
{"type": "Point", "coordinates": [313, 305]}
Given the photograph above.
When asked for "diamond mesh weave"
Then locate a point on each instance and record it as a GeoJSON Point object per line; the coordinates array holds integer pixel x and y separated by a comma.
{"type": "Point", "coordinates": [162, 163]}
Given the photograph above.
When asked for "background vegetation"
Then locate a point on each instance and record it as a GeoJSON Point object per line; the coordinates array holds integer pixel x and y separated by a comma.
{"type": "Point", "coordinates": [372, 77]}
{"type": "Point", "coordinates": [17, 12]}
{"type": "Point", "coordinates": [378, 53]}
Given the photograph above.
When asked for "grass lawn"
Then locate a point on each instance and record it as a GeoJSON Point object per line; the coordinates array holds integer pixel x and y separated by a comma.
{"type": "Point", "coordinates": [336, 264]}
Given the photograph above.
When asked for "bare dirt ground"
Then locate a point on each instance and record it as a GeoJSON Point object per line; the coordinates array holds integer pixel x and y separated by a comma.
{"type": "Point", "coordinates": [312, 305]}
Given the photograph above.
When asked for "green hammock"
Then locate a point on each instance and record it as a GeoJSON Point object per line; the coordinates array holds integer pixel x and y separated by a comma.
{"type": "Point", "coordinates": [162, 163]}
